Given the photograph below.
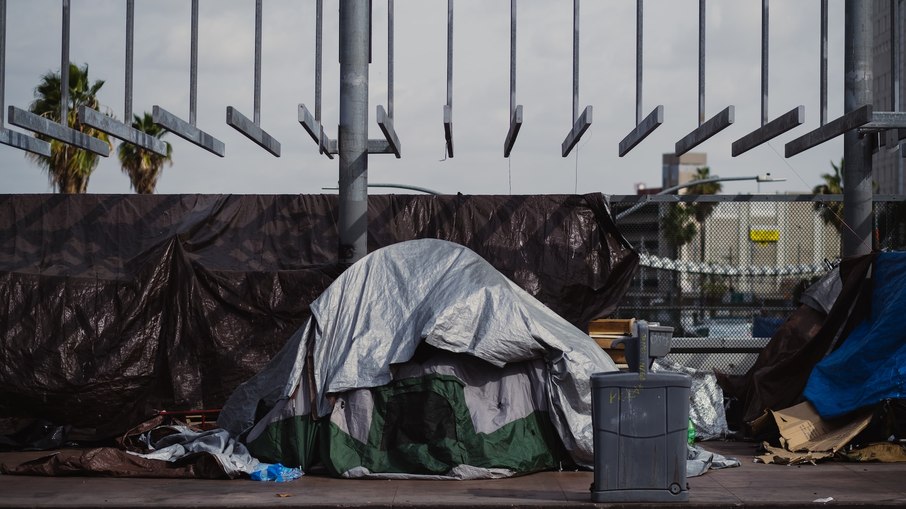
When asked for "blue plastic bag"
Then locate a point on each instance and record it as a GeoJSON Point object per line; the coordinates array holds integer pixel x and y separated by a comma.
{"type": "Point", "coordinates": [276, 473]}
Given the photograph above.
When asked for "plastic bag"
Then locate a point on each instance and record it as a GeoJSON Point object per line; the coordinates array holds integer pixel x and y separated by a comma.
{"type": "Point", "coordinates": [276, 473]}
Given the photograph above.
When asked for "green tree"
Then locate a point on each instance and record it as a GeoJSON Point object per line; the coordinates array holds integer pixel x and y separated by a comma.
{"type": "Point", "coordinates": [679, 225]}
{"type": "Point", "coordinates": [68, 168]}
{"type": "Point", "coordinates": [702, 210]}
{"type": "Point", "coordinates": [831, 212]}
{"type": "Point", "coordinates": [141, 165]}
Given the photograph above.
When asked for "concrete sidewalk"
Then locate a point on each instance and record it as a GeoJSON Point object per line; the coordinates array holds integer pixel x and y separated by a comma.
{"type": "Point", "coordinates": [751, 485]}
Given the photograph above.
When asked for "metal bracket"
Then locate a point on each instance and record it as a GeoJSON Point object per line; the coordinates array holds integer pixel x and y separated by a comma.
{"type": "Point", "coordinates": [883, 121]}
{"type": "Point", "coordinates": [769, 131]}
{"type": "Point", "coordinates": [830, 130]}
{"type": "Point", "coordinates": [579, 128]}
{"type": "Point", "coordinates": [39, 124]}
{"type": "Point", "coordinates": [386, 124]}
{"type": "Point", "coordinates": [252, 131]}
{"type": "Point", "coordinates": [892, 138]}
{"type": "Point", "coordinates": [515, 125]}
{"type": "Point", "coordinates": [712, 126]}
{"type": "Point", "coordinates": [642, 130]}
{"type": "Point", "coordinates": [122, 131]}
{"type": "Point", "coordinates": [448, 129]}
{"type": "Point", "coordinates": [24, 142]}
{"type": "Point", "coordinates": [316, 131]}
{"type": "Point", "coordinates": [187, 131]}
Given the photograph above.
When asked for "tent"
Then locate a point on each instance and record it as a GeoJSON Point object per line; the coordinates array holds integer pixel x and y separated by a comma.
{"type": "Point", "coordinates": [870, 365]}
{"type": "Point", "coordinates": [423, 360]}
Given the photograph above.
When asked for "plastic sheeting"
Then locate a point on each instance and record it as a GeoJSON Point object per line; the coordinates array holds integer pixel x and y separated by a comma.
{"type": "Point", "coordinates": [117, 306]}
{"type": "Point", "coordinates": [706, 405]}
{"type": "Point", "coordinates": [870, 364]}
{"type": "Point", "coordinates": [376, 314]}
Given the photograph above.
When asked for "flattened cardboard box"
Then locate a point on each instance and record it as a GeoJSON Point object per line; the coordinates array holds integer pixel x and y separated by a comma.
{"type": "Point", "coordinates": [807, 438]}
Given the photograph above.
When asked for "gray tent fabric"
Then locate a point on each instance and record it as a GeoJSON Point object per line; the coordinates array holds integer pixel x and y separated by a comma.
{"type": "Point", "coordinates": [378, 311]}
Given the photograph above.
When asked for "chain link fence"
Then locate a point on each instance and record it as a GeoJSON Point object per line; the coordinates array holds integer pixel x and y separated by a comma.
{"type": "Point", "coordinates": [727, 270]}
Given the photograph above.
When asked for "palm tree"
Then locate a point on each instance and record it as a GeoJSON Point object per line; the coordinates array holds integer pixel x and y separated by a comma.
{"type": "Point", "coordinates": [678, 225]}
{"type": "Point", "coordinates": [141, 165]}
{"type": "Point", "coordinates": [703, 210]}
{"type": "Point", "coordinates": [831, 212]}
{"type": "Point", "coordinates": [68, 167]}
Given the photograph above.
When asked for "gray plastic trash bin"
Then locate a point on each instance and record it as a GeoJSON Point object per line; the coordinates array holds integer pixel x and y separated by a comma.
{"type": "Point", "coordinates": [640, 425]}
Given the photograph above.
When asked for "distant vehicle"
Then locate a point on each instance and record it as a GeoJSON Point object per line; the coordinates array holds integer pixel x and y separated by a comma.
{"type": "Point", "coordinates": [724, 328]}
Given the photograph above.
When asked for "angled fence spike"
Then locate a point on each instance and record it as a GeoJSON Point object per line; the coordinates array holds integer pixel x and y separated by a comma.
{"type": "Point", "coordinates": [715, 124]}
{"type": "Point", "coordinates": [252, 128]}
{"type": "Point", "coordinates": [515, 110]}
{"type": "Point", "coordinates": [646, 126]}
{"type": "Point", "coordinates": [12, 138]}
{"type": "Point", "coordinates": [187, 130]}
{"type": "Point", "coordinates": [123, 130]}
{"type": "Point", "coordinates": [59, 131]}
{"type": "Point", "coordinates": [582, 122]}
{"type": "Point", "coordinates": [778, 126]}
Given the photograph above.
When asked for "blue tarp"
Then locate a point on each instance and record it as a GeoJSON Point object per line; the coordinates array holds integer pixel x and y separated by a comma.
{"type": "Point", "coordinates": [870, 365]}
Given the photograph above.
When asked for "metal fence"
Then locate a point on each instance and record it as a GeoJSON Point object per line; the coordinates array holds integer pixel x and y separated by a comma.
{"type": "Point", "coordinates": [727, 270]}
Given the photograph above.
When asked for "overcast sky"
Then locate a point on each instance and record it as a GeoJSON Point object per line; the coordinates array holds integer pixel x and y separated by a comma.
{"type": "Point", "coordinates": [480, 90]}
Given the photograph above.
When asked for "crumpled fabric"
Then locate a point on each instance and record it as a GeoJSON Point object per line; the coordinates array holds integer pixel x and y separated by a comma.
{"type": "Point", "coordinates": [706, 410]}
{"type": "Point", "coordinates": [231, 455]}
{"type": "Point", "coordinates": [699, 461]}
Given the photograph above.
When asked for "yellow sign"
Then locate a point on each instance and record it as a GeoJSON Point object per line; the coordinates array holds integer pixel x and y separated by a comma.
{"type": "Point", "coordinates": [763, 235]}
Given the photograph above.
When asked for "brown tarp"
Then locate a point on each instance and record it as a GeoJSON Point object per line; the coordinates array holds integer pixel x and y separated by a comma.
{"type": "Point", "coordinates": [119, 305]}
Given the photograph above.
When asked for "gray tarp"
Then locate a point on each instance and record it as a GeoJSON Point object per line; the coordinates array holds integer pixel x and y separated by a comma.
{"type": "Point", "coordinates": [380, 309]}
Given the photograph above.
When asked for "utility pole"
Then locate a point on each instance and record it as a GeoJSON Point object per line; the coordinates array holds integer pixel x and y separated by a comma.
{"type": "Point", "coordinates": [355, 53]}
{"type": "Point", "coordinates": [857, 192]}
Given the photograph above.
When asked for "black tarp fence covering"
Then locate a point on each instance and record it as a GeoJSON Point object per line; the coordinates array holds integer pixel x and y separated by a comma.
{"type": "Point", "coordinates": [114, 306]}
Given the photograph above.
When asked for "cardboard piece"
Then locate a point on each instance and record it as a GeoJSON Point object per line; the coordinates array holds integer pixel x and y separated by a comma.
{"type": "Point", "coordinates": [807, 438]}
{"type": "Point", "coordinates": [781, 456]}
{"type": "Point", "coordinates": [802, 429]}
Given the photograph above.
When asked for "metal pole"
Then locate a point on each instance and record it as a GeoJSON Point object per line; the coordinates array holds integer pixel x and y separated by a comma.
{"type": "Point", "coordinates": [193, 65]}
{"type": "Point", "coordinates": [2, 62]}
{"type": "Point", "coordinates": [857, 192]}
{"type": "Point", "coordinates": [319, 24]}
{"type": "Point", "coordinates": [390, 58]}
{"type": "Point", "coordinates": [701, 62]}
{"type": "Point", "coordinates": [257, 112]}
{"type": "Point", "coordinates": [823, 77]}
{"type": "Point", "coordinates": [512, 57]}
{"type": "Point", "coordinates": [64, 68]}
{"type": "Point", "coordinates": [764, 62]}
{"type": "Point", "coordinates": [575, 60]}
{"type": "Point", "coordinates": [450, 53]}
{"type": "Point", "coordinates": [353, 132]}
{"type": "Point", "coordinates": [130, 49]}
{"type": "Point", "coordinates": [894, 56]}
{"type": "Point", "coordinates": [638, 62]}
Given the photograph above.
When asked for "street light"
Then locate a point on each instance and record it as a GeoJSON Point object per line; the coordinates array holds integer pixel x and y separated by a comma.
{"type": "Point", "coordinates": [764, 177]}
{"type": "Point", "coordinates": [397, 186]}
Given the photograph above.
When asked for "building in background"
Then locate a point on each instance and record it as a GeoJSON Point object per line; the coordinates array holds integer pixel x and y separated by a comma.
{"type": "Point", "coordinates": [888, 168]}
